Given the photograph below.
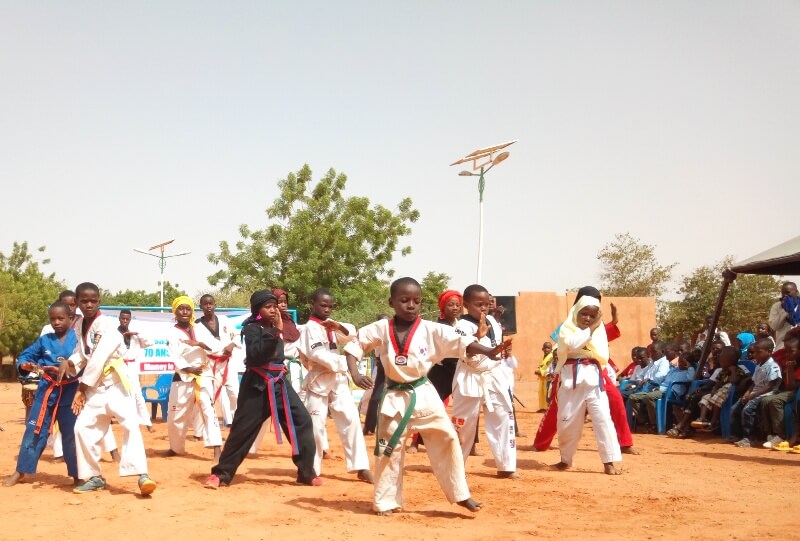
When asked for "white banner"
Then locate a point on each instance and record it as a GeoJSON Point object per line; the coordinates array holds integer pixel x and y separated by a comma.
{"type": "Point", "coordinates": [154, 327]}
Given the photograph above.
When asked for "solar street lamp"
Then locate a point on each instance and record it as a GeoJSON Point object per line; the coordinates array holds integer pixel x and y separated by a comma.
{"type": "Point", "coordinates": [483, 160]}
{"type": "Point", "coordinates": [162, 260]}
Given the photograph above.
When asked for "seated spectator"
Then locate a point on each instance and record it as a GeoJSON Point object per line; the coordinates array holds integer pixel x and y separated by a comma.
{"type": "Point", "coordinates": [763, 330]}
{"type": "Point", "coordinates": [672, 351]}
{"type": "Point", "coordinates": [639, 374]}
{"type": "Point", "coordinates": [745, 339]}
{"type": "Point", "coordinates": [772, 420]}
{"type": "Point", "coordinates": [729, 375]}
{"type": "Point", "coordinates": [707, 369]}
{"type": "Point", "coordinates": [680, 376]}
{"type": "Point", "coordinates": [766, 380]}
{"type": "Point", "coordinates": [628, 371]}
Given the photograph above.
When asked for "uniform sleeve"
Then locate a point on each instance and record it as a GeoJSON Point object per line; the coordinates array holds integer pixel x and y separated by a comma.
{"type": "Point", "coordinates": [612, 332]}
{"type": "Point", "coordinates": [449, 344]}
{"type": "Point", "coordinates": [313, 344]}
{"type": "Point", "coordinates": [32, 354]}
{"type": "Point", "coordinates": [177, 350]}
{"type": "Point", "coordinates": [109, 343]}
{"type": "Point", "coordinates": [577, 340]}
{"type": "Point", "coordinates": [259, 342]}
{"type": "Point", "coordinates": [365, 340]}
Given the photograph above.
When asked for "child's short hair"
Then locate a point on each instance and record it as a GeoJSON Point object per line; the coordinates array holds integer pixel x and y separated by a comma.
{"type": "Point", "coordinates": [318, 293]}
{"type": "Point", "coordinates": [474, 289]}
{"type": "Point", "coordinates": [730, 350]}
{"type": "Point", "coordinates": [125, 311]}
{"type": "Point", "coordinates": [765, 343]}
{"type": "Point", "coordinates": [207, 296]}
{"type": "Point", "coordinates": [59, 304]}
{"type": "Point", "coordinates": [400, 282]}
{"type": "Point", "coordinates": [66, 294]}
{"type": "Point", "coordinates": [86, 286]}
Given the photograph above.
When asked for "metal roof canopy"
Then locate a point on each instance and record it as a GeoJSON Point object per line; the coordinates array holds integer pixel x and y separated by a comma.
{"type": "Point", "coordinates": [783, 259]}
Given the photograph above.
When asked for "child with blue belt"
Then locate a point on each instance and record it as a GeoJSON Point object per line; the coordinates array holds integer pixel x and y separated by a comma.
{"type": "Point", "coordinates": [53, 396]}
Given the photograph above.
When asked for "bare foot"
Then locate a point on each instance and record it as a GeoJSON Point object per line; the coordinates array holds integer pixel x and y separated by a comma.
{"type": "Point", "coordinates": [115, 455]}
{"type": "Point", "coordinates": [471, 504]}
{"type": "Point", "coordinates": [149, 428]}
{"type": "Point", "coordinates": [514, 476]}
{"type": "Point", "coordinates": [387, 512]}
{"type": "Point", "coordinates": [610, 469]}
{"type": "Point", "coordinates": [169, 453]}
{"type": "Point", "coordinates": [13, 479]}
{"type": "Point", "coordinates": [630, 450]}
{"type": "Point", "coordinates": [561, 466]}
{"type": "Point", "coordinates": [366, 476]}
{"type": "Point", "coordinates": [412, 449]}
{"type": "Point", "coordinates": [327, 455]}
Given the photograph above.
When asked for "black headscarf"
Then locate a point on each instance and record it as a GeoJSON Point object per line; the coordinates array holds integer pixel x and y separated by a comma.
{"type": "Point", "coordinates": [257, 300]}
{"type": "Point", "coordinates": [588, 291]}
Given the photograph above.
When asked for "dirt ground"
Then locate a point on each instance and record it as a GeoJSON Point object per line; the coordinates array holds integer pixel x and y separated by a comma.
{"type": "Point", "coordinates": [676, 489]}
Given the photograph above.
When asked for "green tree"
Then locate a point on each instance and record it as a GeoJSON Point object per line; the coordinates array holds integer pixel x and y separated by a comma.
{"type": "Point", "coordinates": [141, 297]}
{"type": "Point", "coordinates": [746, 304]}
{"type": "Point", "coordinates": [432, 286]}
{"type": "Point", "coordinates": [317, 237]}
{"type": "Point", "coordinates": [630, 268]}
{"type": "Point", "coordinates": [25, 293]}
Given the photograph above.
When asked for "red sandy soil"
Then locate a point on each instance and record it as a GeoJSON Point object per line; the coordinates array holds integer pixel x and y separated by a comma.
{"type": "Point", "coordinates": [676, 489]}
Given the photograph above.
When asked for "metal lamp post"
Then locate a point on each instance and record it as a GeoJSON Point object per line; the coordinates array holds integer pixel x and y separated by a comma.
{"type": "Point", "coordinates": [488, 160]}
{"type": "Point", "coordinates": [162, 261]}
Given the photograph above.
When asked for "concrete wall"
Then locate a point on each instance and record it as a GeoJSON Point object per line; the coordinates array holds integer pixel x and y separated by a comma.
{"type": "Point", "coordinates": [539, 313]}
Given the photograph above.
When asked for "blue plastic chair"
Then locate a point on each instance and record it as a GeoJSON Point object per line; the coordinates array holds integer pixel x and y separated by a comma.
{"type": "Point", "coordinates": [749, 365]}
{"type": "Point", "coordinates": [725, 414]}
{"type": "Point", "coordinates": [789, 410]}
{"type": "Point", "coordinates": [161, 388]}
{"type": "Point", "coordinates": [669, 398]}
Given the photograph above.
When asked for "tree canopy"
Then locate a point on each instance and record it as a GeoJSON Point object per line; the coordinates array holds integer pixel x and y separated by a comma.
{"type": "Point", "coordinates": [316, 237]}
{"type": "Point", "coordinates": [25, 293]}
{"type": "Point", "coordinates": [141, 297]}
{"type": "Point", "coordinates": [630, 268]}
{"type": "Point", "coordinates": [747, 303]}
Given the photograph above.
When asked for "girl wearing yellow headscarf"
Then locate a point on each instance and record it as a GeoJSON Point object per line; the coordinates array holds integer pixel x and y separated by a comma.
{"type": "Point", "coordinates": [192, 389]}
{"type": "Point", "coordinates": [583, 354]}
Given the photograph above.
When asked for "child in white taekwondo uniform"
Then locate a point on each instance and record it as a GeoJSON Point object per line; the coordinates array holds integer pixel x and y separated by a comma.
{"type": "Point", "coordinates": [135, 342]}
{"type": "Point", "coordinates": [108, 443]}
{"type": "Point", "coordinates": [582, 354]}
{"type": "Point", "coordinates": [483, 381]}
{"type": "Point", "coordinates": [328, 387]}
{"type": "Point", "coordinates": [192, 390]}
{"type": "Point", "coordinates": [408, 348]}
{"type": "Point", "coordinates": [225, 378]}
{"type": "Point", "coordinates": [104, 391]}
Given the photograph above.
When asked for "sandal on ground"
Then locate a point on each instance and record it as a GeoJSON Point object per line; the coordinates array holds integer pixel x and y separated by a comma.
{"type": "Point", "coordinates": [700, 424]}
{"type": "Point", "coordinates": [795, 450]}
{"type": "Point", "coordinates": [782, 446]}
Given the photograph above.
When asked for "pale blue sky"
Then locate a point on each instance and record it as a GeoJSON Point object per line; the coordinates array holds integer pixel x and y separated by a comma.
{"type": "Point", "coordinates": [676, 121]}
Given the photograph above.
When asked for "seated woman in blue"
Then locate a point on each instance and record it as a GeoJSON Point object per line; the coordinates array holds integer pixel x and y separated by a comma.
{"type": "Point", "coordinates": [53, 399]}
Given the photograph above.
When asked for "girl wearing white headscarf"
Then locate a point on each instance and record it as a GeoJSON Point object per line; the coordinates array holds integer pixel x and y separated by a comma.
{"type": "Point", "coordinates": [583, 353]}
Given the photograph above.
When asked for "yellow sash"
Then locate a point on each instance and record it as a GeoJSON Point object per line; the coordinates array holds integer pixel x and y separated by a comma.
{"type": "Point", "coordinates": [117, 364]}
